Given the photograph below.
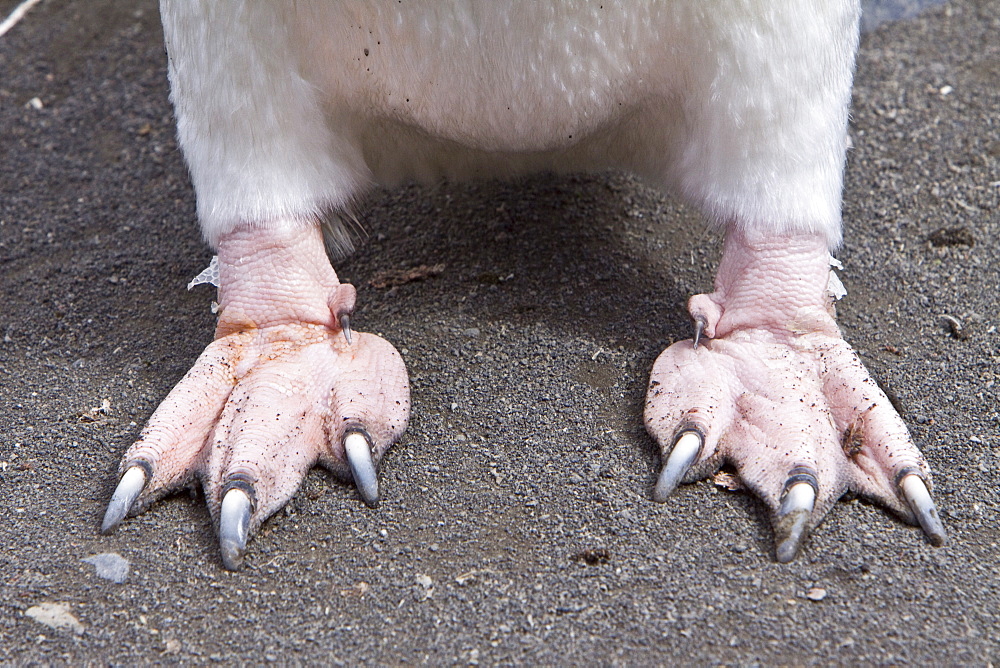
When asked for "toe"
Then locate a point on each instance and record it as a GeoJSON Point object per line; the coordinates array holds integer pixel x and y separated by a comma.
{"type": "Point", "coordinates": [342, 404]}
{"type": "Point", "coordinates": [787, 468]}
{"type": "Point", "coordinates": [873, 437]}
{"type": "Point", "coordinates": [370, 407]}
{"type": "Point", "coordinates": [690, 392]}
{"type": "Point", "coordinates": [371, 388]}
{"type": "Point", "coordinates": [269, 435]}
{"type": "Point", "coordinates": [172, 444]}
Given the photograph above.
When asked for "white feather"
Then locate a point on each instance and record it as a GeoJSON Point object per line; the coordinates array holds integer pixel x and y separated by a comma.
{"type": "Point", "coordinates": [290, 109]}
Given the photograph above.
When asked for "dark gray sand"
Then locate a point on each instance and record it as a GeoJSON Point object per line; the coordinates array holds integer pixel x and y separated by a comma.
{"type": "Point", "coordinates": [516, 523]}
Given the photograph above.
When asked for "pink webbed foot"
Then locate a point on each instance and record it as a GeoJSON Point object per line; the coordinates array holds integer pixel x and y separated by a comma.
{"type": "Point", "coordinates": [772, 389]}
{"type": "Point", "coordinates": [285, 385]}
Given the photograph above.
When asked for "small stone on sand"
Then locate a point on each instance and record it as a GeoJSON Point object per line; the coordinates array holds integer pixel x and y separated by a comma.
{"type": "Point", "coordinates": [110, 566]}
{"type": "Point", "coordinates": [816, 594]}
{"type": "Point", "coordinates": [55, 615]}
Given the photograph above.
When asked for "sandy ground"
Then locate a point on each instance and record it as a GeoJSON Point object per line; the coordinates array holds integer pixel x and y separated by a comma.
{"type": "Point", "coordinates": [516, 523]}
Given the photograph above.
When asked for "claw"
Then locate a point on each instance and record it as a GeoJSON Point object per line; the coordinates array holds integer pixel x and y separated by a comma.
{"type": "Point", "coordinates": [791, 525]}
{"type": "Point", "coordinates": [128, 490]}
{"type": "Point", "coordinates": [359, 457]}
{"type": "Point", "coordinates": [345, 327]}
{"type": "Point", "coordinates": [234, 522]}
{"type": "Point", "coordinates": [919, 499]}
{"type": "Point", "coordinates": [682, 455]}
{"type": "Point", "coordinates": [699, 327]}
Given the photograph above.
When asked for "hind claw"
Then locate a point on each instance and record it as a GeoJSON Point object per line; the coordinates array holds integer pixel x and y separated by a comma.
{"type": "Point", "coordinates": [345, 327]}
{"type": "Point", "coordinates": [699, 328]}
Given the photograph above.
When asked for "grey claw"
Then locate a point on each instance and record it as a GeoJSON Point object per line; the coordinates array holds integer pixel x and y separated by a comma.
{"type": "Point", "coordinates": [129, 487]}
{"type": "Point", "coordinates": [359, 457]}
{"type": "Point", "coordinates": [915, 491]}
{"type": "Point", "coordinates": [682, 456]}
{"type": "Point", "coordinates": [792, 522]}
{"type": "Point", "coordinates": [699, 327]}
{"type": "Point", "coordinates": [234, 524]}
{"type": "Point", "coordinates": [345, 327]}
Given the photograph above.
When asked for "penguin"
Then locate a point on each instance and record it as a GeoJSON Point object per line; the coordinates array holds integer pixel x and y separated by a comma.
{"type": "Point", "coordinates": [287, 113]}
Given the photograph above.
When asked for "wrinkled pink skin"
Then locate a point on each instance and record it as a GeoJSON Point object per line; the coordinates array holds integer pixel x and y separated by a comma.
{"type": "Point", "coordinates": [274, 393]}
{"type": "Point", "coordinates": [775, 387]}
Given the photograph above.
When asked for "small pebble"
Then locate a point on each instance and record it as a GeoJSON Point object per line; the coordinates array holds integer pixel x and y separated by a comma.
{"type": "Point", "coordinates": [55, 615]}
{"type": "Point", "coordinates": [816, 594]}
{"type": "Point", "coordinates": [426, 588]}
{"type": "Point", "coordinates": [110, 566]}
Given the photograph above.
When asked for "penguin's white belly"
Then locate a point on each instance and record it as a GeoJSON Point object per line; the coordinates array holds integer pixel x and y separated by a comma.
{"type": "Point", "coordinates": [466, 88]}
{"type": "Point", "coordinates": [289, 110]}
{"type": "Point", "coordinates": [493, 76]}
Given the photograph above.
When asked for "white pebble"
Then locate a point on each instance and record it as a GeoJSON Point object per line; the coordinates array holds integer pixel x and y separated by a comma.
{"type": "Point", "coordinates": [110, 566]}
{"type": "Point", "coordinates": [816, 594]}
{"type": "Point", "coordinates": [56, 616]}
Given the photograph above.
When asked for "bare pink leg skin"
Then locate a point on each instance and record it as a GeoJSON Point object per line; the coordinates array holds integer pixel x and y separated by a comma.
{"type": "Point", "coordinates": [776, 391]}
{"type": "Point", "coordinates": [278, 389]}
